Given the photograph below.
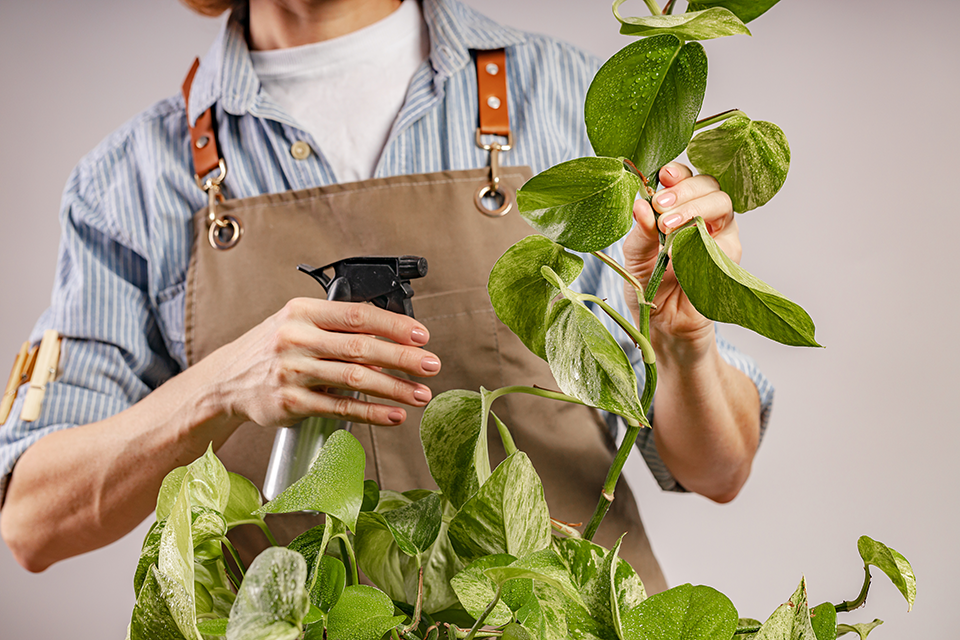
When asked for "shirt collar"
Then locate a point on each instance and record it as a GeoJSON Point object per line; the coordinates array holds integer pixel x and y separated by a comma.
{"type": "Point", "coordinates": [226, 73]}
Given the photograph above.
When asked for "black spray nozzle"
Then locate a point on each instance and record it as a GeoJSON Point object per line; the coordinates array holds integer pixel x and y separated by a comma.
{"type": "Point", "coordinates": [384, 281]}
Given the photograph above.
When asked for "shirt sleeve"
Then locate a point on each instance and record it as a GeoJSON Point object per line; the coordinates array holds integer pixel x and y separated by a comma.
{"type": "Point", "coordinates": [605, 284]}
{"type": "Point", "coordinates": [112, 353]}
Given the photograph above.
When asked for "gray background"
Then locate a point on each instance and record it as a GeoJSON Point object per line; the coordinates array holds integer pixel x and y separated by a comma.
{"type": "Point", "coordinates": [863, 437]}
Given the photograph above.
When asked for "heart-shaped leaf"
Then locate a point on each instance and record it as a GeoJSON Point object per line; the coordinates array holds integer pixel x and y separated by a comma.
{"type": "Point", "coordinates": [213, 626]}
{"type": "Point", "coordinates": [584, 204]}
{"type": "Point", "coordinates": [686, 612]}
{"type": "Point", "coordinates": [272, 600]}
{"type": "Point", "coordinates": [455, 443]}
{"type": "Point", "coordinates": [152, 619]}
{"type": "Point", "coordinates": [440, 563]}
{"type": "Point", "coordinates": [862, 629]}
{"type": "Point", "coordinates": [371, 495]}
{"type": "Point", "coordinates": [545, 614]}
{"type": "Point", "coordinates": [644, 101]}
{"type": "Point", "coordinates": [243, 502]}
{"type": "Point", "coordinates": [379, 555]}
{"type": "Point", "coordinates": [790, 620]}
{"type": "Point", "coordinates": [414, 526]}
{"type": "Point", "coordinates": [520, 295]}
{"type": "Point", "coordinates": [540, 566]}
{"type": "Point", "coordinates": [588, 363]}
{"type": "Point", "coordinates": [823, 619]}
{"type": "Point", "coordinates": [331, 580]}
{"type": "Point", "coordinates": [746, 10]}
{"type": "Point", "coordinates": [893, 564]}
{"type": "Point", "coordinates": [693, 25]}
{"type": "Point", "coordinates": [723, 291]}
{"type": "Point", "coordinates": [749, 159]}
{"type": "Point", "coordinates": [476, 590]}
{"type": "Point", "coordinates": [507, 515]}
{"type": "Point", "coordinates": [333, 485]}
{"type": "Point", "coordinates": [362, 613]}
{"type": "Point", "coordinates": [175, 562]}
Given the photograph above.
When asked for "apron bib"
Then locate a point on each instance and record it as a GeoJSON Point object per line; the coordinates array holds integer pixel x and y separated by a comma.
{"type": "Point", "coordinates": [434, 216]}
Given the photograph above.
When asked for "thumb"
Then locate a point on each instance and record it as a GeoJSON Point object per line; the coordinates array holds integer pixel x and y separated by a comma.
{"type": "Point", "coordinates": [642, 244]}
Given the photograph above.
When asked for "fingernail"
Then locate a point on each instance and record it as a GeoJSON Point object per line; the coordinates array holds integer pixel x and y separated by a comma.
{"type": "Point", "coordinates": [666, 199]}
{"type": "Point", "coordinates": [419, 336]}
{"type": "Point", "coordinates": [421, 394]}
{"type": "Point", "coordinates": [670, 171]}
{"type": "Point", "coordinates": [396, 417]}
{"type": "Point", "coordinates": [672, 220]}
{"type": "Point", "coordinates": [430, 364]}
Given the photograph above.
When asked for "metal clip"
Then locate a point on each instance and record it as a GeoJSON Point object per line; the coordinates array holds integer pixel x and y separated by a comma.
{"type": "Point", "coordinates": [224, 232]}
{"type": "Point", "coordinates": [493, 188]}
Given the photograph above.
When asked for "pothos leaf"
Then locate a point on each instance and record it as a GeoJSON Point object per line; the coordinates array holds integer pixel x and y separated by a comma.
{"type": "Point", "coordinates": [362, 613]}
{"type": "Point", "coordinates": [893, 564]}
{"type": "Point", "coordinates": [823, 618]}
{"type": "Point", "coordinates": [749, 159]}
{"type": "Point", "coordinates": [508, 514]}
{"type": "Point", "coordinates": [584, 204]}
{"type": "Point", "coordinates": [371, 495]}
{"type": "Point", "coordinates": [175, 563]}
{"type": "Point", "coordinates": [790, 620]}
{"type": "Point", "coordinates": [715, 22]}
{"type": "Point", "coordinates": [861, 629]}
{"type": "Point", "coordinates": [543, 566]}
{"type": "Point", "coordinates": [588, 363]}
{"type": "Point", "coordinates": [475, 589]}
{"type": "Point", "coordinates": [644, 101]}
{"type": "Point", "coordinates": [723, 291]}
{"type": "Point", "coordinates": [455, 443]}
{"type": "Point", "coordinates": [152, 619]}
{"type": "Point", "coordinates": [416, 526]}
{"type": "Point", "coordinates": [379, 555]}
{"type": "Point", "coordinates": [520, 295]}
{"type": "Point", "coordinates": [544, 614]}
{"type": "Point", "coordinates": [686, 612]}
{"type": "Point", "coordinates": [331, 580]}
{"type": "Point", "coordinates": [333, 485]}
{"type": "Point", "coordinates": [243, 502]}
{"type": "Point", "coordinates": [746, 10]}
{"type": "Point", "coordinates": [272, 600]}
{"type": "Point", "coordinates": [440, 563]}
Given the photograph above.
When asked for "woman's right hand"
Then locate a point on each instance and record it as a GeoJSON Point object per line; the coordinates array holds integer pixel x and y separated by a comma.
{"type": "Point", "coordinates": [279, 372]}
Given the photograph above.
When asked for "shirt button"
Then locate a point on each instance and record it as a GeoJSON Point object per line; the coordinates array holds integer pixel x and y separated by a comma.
{"type": "Point", "coordinates": [300, 150]}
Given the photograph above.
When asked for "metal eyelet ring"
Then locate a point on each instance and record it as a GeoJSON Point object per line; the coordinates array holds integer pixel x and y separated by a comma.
{"type": "Point", "coordinates": [225, 233]}
{"type": "Point", "coordinates": [488, 190]}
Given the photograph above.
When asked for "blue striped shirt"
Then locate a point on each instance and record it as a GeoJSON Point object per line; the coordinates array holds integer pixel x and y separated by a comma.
{"type": "Point", "coordinates": [126, 214]}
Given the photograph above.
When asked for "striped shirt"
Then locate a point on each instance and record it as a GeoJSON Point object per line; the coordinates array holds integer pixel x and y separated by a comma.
{"type": "Point", "coordinates": [118, 297]}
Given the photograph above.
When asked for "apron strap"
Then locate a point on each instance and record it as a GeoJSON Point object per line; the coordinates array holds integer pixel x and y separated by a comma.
{"type": "Point", "coordinates": [492, 91]}
{"type": "Point", "coordinates": [203, 140]}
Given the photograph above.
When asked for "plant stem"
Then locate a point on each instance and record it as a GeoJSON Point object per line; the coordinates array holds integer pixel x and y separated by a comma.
{"type": "Point", "coordinates": [233, 553]}
{"type": "Point", "coordinates": [850, 605]}
{"type": "Point", "coordinates": [533, 391]}
{"type": "Point", "coordinates": [745, 630]}
{"type": "Point", "coordinates": [347, 555]}
{"type": "Point", "coordinates": [612, 476]}
{"type": "Point", "coordinates": [263, 527]}
{"type": "Point", "coordinates": [483, 616]}
{"type": "Point", "coordinates": [654, 7]}
{"type": "Point", "coordinates": [720, 117]}
{"type": "Point", "coordinates": [623, 273]}
{"type": "Point", "coordinates": [415, 622]}
{"type": "Point", "coordinates": [394, 634]}
{"type": "Point", "coordinates": [509, 446]}
{"type": "Point", "coordinates": [649, 356]}
{"type": "Point", "coordinates": [565, 528]}
{"type": "Point", "coordinates": [668, 8]}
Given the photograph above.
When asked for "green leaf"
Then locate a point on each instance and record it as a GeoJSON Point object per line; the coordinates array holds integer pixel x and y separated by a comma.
{"type": "Point", "coordinates": [169, 490]}
{"type": "Point", "coordinates": [440, 563]}
{"type": "Point", "coordinates": [311, 544]}
{"type": "Point", "coordinates": [590, 567]}
{"type": "Point", "coordinates": [272, 600]}
{"type": "Point", "coordinates": [475, 589]}
{"type": "Point", "coordinates": [790, 620]}
{"type": "Point", "coordinates": [333, 485]}
{"type": "Point", "coordinates": [514, 631]}
{"type": "Point", "coordinates": [587, 362]}
{"type": "Point", "coordinates": [362, 613]}
{"type": "Point", "coordinates": [213, 626]}
{"type": "Point", "coordinates": [314, 614]}
{"type": "Point", "coordinates": [379, 555]}
{"type": "Point", "coordinates": [695, 25]}
{"type": "Point", "coordinates": [415, 526]}
{"type": "Point", "coordinates": [209, 482]}
{"type": "Point", "coordinates": [243, 502]}
{"type": "Point", "coordinates": [544, 614]}
{"type": "Point", "coordinates": [746, 10]}
{"type": "Point", "coordinates": [748, 623]}
{"type": "Point", "coordinates": [152, 619]}
{"type": "Point", "coordinates": [371, 495]}
{"type": "Point", "coordinates": [749, 159]}
{"type": "Point", "coordinates": [175, 562]}
{"type": "Point", "coordinates": [149, 553]}
{"type": "Point", "coordinates": [331, 580]}
{"type": "Point", "coordinates": [893, 564]}
{"type": "Point", "coordinates": [725, 292]}
{"type": "Point", "coordinates": [455, 444]}
{"type": "Point", "coordinates": [540, 566]}
{"type": "Point", "coordinates": [823, 619]}
{"type": "Point", "coordinates": [584, 204]}
{"type": "Point", "coordinates": [862, 629]}
{"type": "Point", "coordinates": [685, 612]}
{"type": "Point", "coordinates": [644, 101]}
{"type": "Point", "coordinates": [507, 515]}
{"type": "Point", "coordinates": [520, 295]}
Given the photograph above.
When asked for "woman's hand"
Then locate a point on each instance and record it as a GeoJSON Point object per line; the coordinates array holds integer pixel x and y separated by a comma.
{"type": "Point", "coordinates": [675, 322]}
{"type": "Point", "coordinates": [284, 369]}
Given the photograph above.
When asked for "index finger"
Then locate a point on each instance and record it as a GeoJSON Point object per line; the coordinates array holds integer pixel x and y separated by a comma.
{"type": "Point", "coordinates": [357, 317]}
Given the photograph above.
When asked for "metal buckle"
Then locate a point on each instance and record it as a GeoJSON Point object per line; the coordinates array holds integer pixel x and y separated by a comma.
{"type": "Point", "coordinates": [215, 235]}
{"type": "Point", "coordinates": [493, 188]}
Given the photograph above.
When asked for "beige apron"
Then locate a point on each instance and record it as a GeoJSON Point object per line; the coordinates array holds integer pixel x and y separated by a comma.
{"type": "Point", "coordinates": [434, 216]}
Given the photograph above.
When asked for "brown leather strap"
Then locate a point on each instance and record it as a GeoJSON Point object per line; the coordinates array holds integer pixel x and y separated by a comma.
{"type": "Point", "coordinates": [492, 90]}
{"type": "Point", "coordinates": [203, 140]}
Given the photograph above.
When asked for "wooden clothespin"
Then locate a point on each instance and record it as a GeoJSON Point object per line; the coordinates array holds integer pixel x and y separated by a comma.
{"type": "Point", "coordinates": [18, 375]}
{"type": "Point", "coordinates": [44, 370]}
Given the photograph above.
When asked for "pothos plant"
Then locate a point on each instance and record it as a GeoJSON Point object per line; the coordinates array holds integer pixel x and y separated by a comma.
{"type": "Point", "coordinates": [482, 557]}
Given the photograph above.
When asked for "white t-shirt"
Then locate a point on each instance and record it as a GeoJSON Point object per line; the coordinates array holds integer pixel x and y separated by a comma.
{"type": "Point", "coordinates": [347, 92]}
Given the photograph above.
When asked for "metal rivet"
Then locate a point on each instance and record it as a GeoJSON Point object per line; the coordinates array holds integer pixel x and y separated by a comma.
{"type": "Point", "coordinates": [493, 102]}
{"type": "Point", "coordinates": [300, 150]}
{"type": "Point", "coordinates": [492, 69]}
{"type": "Point", "coordinates": [202, 141]}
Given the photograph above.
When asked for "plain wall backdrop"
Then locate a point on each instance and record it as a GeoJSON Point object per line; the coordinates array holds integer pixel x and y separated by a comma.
{"type": "Point", "coordinates": [863, 437]}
